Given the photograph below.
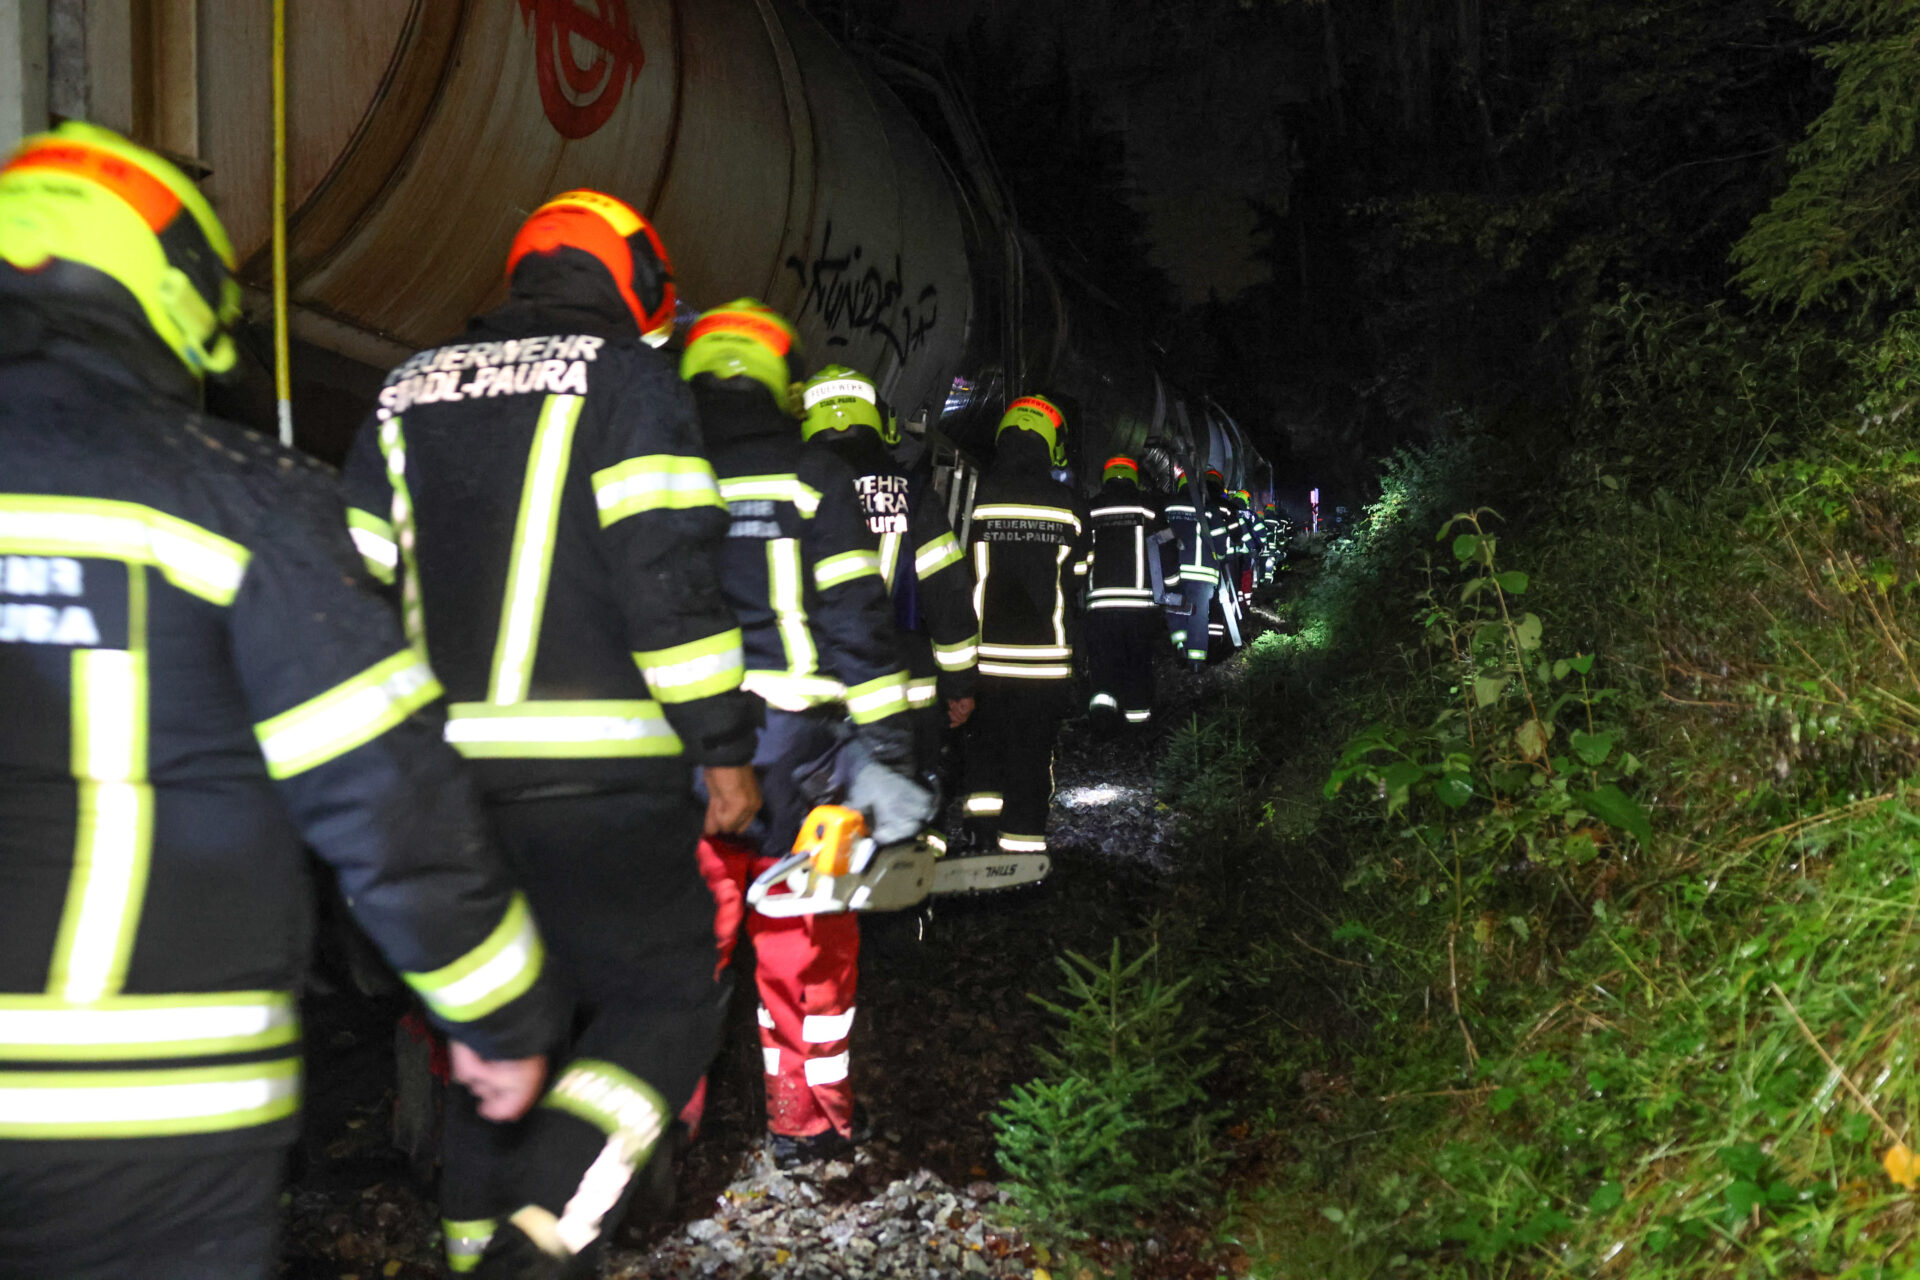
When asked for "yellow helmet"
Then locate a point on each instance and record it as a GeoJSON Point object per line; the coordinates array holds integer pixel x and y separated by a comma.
{"type": "Point", "coordinates": [747, 339]}
{"type": "Point", "coordinates": [1042, 417]}
{"type": "Point", "coordinates": [85, 195]}
{"type": "Point", "coordinates": [838, 399]}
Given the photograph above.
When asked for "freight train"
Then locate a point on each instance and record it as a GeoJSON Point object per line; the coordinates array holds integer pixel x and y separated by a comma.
{"type": "Point", "coordinates": [850, 189]}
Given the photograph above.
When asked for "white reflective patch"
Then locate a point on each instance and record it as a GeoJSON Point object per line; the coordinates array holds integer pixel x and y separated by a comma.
{"type": "Point", "coordinates": [341, 721]}
{"type": "Point", "coordinates": [25, 1108]}
{"type": "Point", "coordinates": [533, 552]}
{"type": "Point", "coordinates": [692, 671]}
{"type": "Point", "coordinates": [644, 484]}
{"type": "Point", "coordinates": [111, 850]}
{"type": "Point", "coordinates": [556, 728]}
{"type": "Point", "coordinates": [89, 1027]}
{"type": "Point", "coordinates": [761, 1016]}
{"type": "Point", "coordinates": [1026, 652]}
{"type": "Point", "coordinates": [601, 1187]}
{"type": "Point", "coordinates": [855, 387]}
{"type": "Point", "coordinates": [1023, 844]}
{"type": "Point", "coordinates": [1105, 700]}
{"type": "Point", "coordinates": [382, 551]}
{"type": "Point", "coordinates": [1025, 671]}
{"type": "Point", "coordinates": [770, 1059]}
{"type": "Point", "coordinates": [467, 1246]}
{"type": "Point", "coordinates": [825, 1028]}
{"type": "Point", "coordinates": [494, 974]}
{"type": "Point", "coordinates": [958, 658]}
{"type": "Point", "coordinates": [827, 1070]}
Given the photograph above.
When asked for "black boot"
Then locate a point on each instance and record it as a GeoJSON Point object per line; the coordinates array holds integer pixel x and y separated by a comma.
{"type": "Point", "coordinates": [511, 1255]}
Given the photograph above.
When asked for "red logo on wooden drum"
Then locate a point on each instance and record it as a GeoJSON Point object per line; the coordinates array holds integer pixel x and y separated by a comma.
{"type": "Point", "coordinates": [585, 54]}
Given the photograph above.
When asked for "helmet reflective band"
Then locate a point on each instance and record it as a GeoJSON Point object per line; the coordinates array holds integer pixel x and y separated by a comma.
{"type": "Point", "coordinates": [858, 388]}
{"type": "Point", "coordinates": [624, 243]}
{"type": "Point", "coordinates": [838, 399]}
{"type": "Point", "coordinates": [745, 339]}
{"type": "Point", "coordinates": [85, 195]}
{"type": "Point", "coordinates": [1123, 466]}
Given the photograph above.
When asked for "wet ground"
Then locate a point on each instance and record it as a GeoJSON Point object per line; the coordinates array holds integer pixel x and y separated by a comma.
{"type": "Point", "coordinates": [945, 1029]}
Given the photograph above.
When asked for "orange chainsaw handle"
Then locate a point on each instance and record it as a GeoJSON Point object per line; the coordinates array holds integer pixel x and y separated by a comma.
{"type": "Point", "coordinates": [828, 837]}
{"type": "Point", "coordinates": [825, 847]}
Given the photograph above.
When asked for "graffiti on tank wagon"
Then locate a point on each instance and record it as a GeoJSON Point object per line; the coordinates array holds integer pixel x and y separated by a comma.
{"type": "Point", "coordinates": [847, 296]}
{"type": "Point", "coordinates": [580, 96]}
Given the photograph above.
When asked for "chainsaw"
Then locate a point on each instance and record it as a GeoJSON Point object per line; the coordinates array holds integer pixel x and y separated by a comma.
{"type": "Point", "coordinates": [836, 867]}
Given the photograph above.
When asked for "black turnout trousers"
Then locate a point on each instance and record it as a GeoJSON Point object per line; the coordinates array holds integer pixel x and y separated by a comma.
{"type": "Point", "coordinates": [116, 1216]}
{"type": "Point", "coordinates": [1120, 648]}
{"type": "Point", "coordinates": [614, 881]}
{"type": "Point", "coordinates": [1010, 761]}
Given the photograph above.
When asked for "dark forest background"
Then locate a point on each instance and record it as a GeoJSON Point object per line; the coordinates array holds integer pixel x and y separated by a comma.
{"type": "Point", "coordinates": [1428, 198]}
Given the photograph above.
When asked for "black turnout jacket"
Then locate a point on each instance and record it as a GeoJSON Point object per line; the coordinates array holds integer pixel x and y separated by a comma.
{"type": "Point", "coordinates": [922, 565]}
{"type": "Point", "coordinates": [803, 569]}
{"type": "Point", "coordinates": [1028, 540]}
{"type": "Point", "coordinates": [539, 497]}
{"type": "Point", "coordinates": [197, 679]}
{"type": "Point", "coordinates": [1130, 536]}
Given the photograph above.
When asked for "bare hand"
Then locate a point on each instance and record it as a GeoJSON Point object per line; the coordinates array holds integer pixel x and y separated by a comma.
{"type": "Point", "coordinates": [958, 709]}
{"type": "Point", "coordinates": [733, 797]}
{"type": "Point", "coordinates": [505, 1089]}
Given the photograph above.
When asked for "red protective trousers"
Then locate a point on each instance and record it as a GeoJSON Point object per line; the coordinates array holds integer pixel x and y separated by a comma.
{"type": "Point", "coordinates": [806, 973]}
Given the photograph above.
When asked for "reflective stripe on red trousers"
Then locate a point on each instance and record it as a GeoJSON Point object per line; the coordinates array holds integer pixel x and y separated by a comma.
{"type": "Point", "coordinates": [807, 970]}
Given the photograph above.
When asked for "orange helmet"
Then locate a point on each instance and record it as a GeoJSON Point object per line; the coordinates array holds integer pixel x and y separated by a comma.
{"type": "Point", "coordinates": [624, 243]}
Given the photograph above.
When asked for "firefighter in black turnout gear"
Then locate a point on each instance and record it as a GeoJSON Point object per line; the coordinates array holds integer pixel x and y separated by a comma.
{"type": "Point", "coordinates": [921, 562]}
{"type": "Point", "coordinates": [802, 571]}
{"type": "Point", "coordinates": [538, 495]}
{"type": "Point", "coordinates": [197, 680]}
{"type": "Point", "coordinates": [1028, 539]}
{"type": "Point", "coordinates": [1134, 563]}
{"type": "Point", "coordinates": [1199, 571]}
{"type": "Point", "coordinates": [1222, 528]}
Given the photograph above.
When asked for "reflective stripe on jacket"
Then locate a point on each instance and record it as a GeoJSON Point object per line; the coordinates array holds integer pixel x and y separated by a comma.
{"type": "Point", "coordinates": [801, 568]}
{"type": "Point", "coordinates": [545, 507]}
{"type": "Point", "coordinates": [1028, 538]}
{"type": "Point", "coordinates": [200, 681]}
{"type": "Point", "coordinates": [923, 565]}
{"type": "Point", "coordinates": [1129, 533]}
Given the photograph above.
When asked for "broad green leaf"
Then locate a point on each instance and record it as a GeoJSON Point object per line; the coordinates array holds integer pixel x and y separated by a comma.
{"type": "Point", "coordinates": [1531, 737]}
{"type": "Point", "coordinates": [1594, 748]}
{"type": "Point", "coordinates": [1454, 790]}
{"type": "Point", "coordinates": [1583, 664]}
{"type": "Point", "coordinates": [1617, 809]}
{"type": "Point", "coordinates": [1528, 631]}
{"type": "Point", "coordinates": [1466, 546]}
{"type": "Point", "coordinates": [1606, 1198]}
{"type": "Point", "coordinates": [1513, 582]}
{"type": "Point", "coordinates": [1582, 849]}
{"type": "Point", "coordinates": [1397, 777]}
{"type": "Point", "coordinates": [1487, 690]}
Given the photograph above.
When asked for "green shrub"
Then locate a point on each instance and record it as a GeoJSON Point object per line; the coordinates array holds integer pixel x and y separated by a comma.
{"type": "Point", "coordinates": [1117, 1127]}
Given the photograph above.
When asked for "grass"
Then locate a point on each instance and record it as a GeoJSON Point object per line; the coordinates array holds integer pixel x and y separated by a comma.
{"type": "Point", "coordinates": [1480, 1020]}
